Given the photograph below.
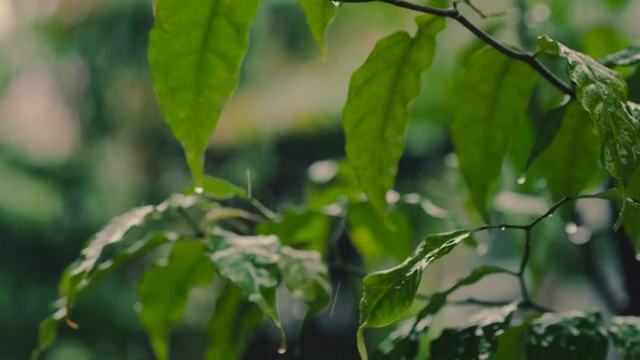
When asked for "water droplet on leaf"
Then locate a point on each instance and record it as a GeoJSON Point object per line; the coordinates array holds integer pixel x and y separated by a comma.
{"type": "Point", "coordinates": [282, 348]}
{"type": "Point", "coordinates": [503, 228]}
{"type": "Point", "coordinates": [521, 180]}
{"type": "Point", "coordinates": [198, 190]}
{"type": "Point", "coordinates": [335, 3]}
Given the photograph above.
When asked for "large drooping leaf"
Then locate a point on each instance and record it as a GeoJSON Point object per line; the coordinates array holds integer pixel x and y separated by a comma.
{"type": "Point", "coordinates": [375, 116]}
{"type": "Point", "coordinates": [195, 51]}
{"type": "Point", "coordinates": [627, 57]}
{"type": "Point", "coordinates": [319, 14]}
{"type": "Point", "coordinates": [567, 336]}
{"type": "Point", "coordinates": [165, 287]}
{"type": "Point", "coordinates": [491, 98]}
{"type": "Point", "coordinates": [250, 263]}
{"type": "Point", "coordinates": [602, 92]}
{"type": "Point", "coordinates": [405, 340]}
{"type": "Point", "coordinates": [388, 294]}
{"type": "Point", "coordinates": [306, 276]}
{"type": "Point", "coordinates": [230, 325]}
{"type": "Point", "coordinates": [126, 237]}
{"type": "Point", "coordinates": [625, 333]}
{"type": "Point", "coordinates": [570, 163]}
{"type": "Point", "coordinates": [478, 340]}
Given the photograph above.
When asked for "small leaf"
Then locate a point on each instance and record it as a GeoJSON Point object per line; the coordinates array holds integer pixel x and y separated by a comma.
{"type": "Point", "coordinates": [306, 276]}
{"type": "Point", "coordinates": [478, 340]}
{"type": "Point", "coordinates": [491, 99]}
{"type": "Point", "coordinates": [319, 14]}
{"type": "Point", "coordinates": [218, 188]}
{"type": "Point", "coordinates": [602, 92]}
{"type": "Point", "coordinates": [546, 128]}
{"type": "Point", "coordinates": [405, 341]}
{"type": "Point", "coordinates": [567, 336]}
{"type": "Point", "coordinates": [250, 263]}
{"type": "Point", "coordinates": [388, 294]}
{"type": "Point", "coordinates": [195, 51]}
{"type": "Point", "coordinates": [625, 333]}
{"type": "Point", "coordinates": [570, 163]}
{"type": "Point", "coordinates": [228, 328]}
{"type": "Point", "coordinates": [165, 287]}
{"type": "Point", "coordinates": [375, 116]}
{"type": "Point", "coordinates": [375, 236]}
{"type": "Point", "coordinates": [306, 230]}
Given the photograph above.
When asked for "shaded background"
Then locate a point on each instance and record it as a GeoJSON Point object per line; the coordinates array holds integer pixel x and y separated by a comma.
{"type": "Point", "coordinates": [82, 140]}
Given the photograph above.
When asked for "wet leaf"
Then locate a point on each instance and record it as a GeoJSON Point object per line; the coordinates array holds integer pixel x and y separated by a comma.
{"type": "Point", "coordinates": [375, 116]}
{"type": "Point", "coordinates": [306, 230]}
{"type": "Point", "coordinates": [125, 238]}
{"type": "Point", "coordinates": [250, 263]}
{"type": "Point", "coordinates": [388, 294]}
{"type": "Point", "coordinates": [546, 128]}
{"type": "Point", "coordinates": [625, 333]}
{"type": "Point", "coordinates": [405, 340]}
{"type": "Point", "coordinates": [195, 51]}
{"type": "Point", "coordinates": [218, 188]}
{"type": "Point", "coordinates": [511, 343]}
{"type": "Point", "coordinates": [230, 325]}
{"type": "Point", "coordinates": [478, 340]}
{"type": "Point", "coordinates": [165, 287]}
{"type": "Point", "coordinates": [602, 92]}
{"type": "Point", "coordinates": [492, 96]}
{"type": "Point", "coordinates": [567, 336]}
{"type": "Point", "coordinates": [570, 163]}
{"type": "Point", "coordinates": [306, 276]}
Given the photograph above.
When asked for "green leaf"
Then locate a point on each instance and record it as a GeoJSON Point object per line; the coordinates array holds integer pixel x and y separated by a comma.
{"type": "Point", "coordinates": [625, 333]}
{"type": "Point", "coordinates": [388, 294]}
{"type": "Point", "coordinates": [406, 341]}
{"type": "Point", "coordinates": [478, 340]}
{"type": "Point", "coordinates": [492, 96]}
{"type": "Point", "coordinates": [165, 287]}
{"type": "Point", "coordinates": [195, 51]}
{"type": "Point", "coordinates": [375, 116]}
{"type": "Point", "coordinates": [306, 230]}
{"type": "Point", "coordinates": [125, 238]}
{"type": "Point", "coordinates": [218, 188]}
{"type": "Point", "coordinates": [546, 128]}
{"type": "Point", "coordinates": [567, 336]}
{"type": "Point", "coordinates": [631, 222]}
{"type": "Point", "coordinates": [306, 276]}
{"type": "Point", "coordinates": [374, 236]}
{"type": "Point", "coordinates": [602, 92]}
{"type": "Point", "coordinates": [570, 163]}
{"type": "Point", "coordinates": [319, 14]}
{"type": "Point", "coordinates": [511, 343]}
{"type": "Point", "coordinates": [233, 320]}
{"type": "Point", "coordinates": [250, 263]}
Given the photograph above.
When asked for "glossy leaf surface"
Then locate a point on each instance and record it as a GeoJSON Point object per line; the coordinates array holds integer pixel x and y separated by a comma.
{"type": "Point", "coordinates": [306, 276]}
{"type": "Point", "coordinates": [375, 116]}
{"type": "Point", "coordinates": [625, 333]}
{"type": "Point", "coordinates": [195, 51]}
{"type": "Point", "coordinates": [627, 57]}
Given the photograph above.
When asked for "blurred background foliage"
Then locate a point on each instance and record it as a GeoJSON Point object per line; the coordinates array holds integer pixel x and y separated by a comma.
{"type": "Point", "coordinates": [82, 140]}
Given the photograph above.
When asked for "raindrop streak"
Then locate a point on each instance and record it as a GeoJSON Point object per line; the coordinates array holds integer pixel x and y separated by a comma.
{"type": "Point", "coordinates": [521, 180]}
{"type": "Point", "coordinates": [335, 300]}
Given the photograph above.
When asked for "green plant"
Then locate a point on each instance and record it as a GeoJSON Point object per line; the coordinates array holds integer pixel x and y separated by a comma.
{"type": "Point", "coordinates": [196, 49]}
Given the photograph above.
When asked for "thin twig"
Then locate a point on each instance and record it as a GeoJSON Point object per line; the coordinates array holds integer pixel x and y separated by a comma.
{"type": "Point", "coordinates": [454, 14]}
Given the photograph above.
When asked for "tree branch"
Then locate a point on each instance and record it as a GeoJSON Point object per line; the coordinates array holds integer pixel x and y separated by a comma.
{"type": "Point", "coordinates": [519, 55]}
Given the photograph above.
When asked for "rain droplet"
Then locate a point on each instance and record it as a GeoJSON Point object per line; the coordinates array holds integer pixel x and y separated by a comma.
{"type": "Point", "coordinates": [198, 190]}
{"type": "Point", "coordinates": [335, 3]}
{"type": "Point", "coordinates": [521, 180]}
{"type": "Point", "coordinates": [482, 249]}
{"type": "Point", "coordinates": [503, 228]}
{"type": "Point", "coordinates": [638, 257]}
{"type": "Point", "coordinates": [282, 348]}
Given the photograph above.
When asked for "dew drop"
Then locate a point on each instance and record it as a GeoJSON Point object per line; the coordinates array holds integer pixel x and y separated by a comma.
{"type": "Point", "coordinates": [503, 228]}
{"type": "Point", "coordinates": [198, 190]}
{"type": "Point", "coordinates": [282, 349]}
{"type": "Point", "coordinates": [521, 180]}
{"type": "Point", "coordinates": [335, 3]}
